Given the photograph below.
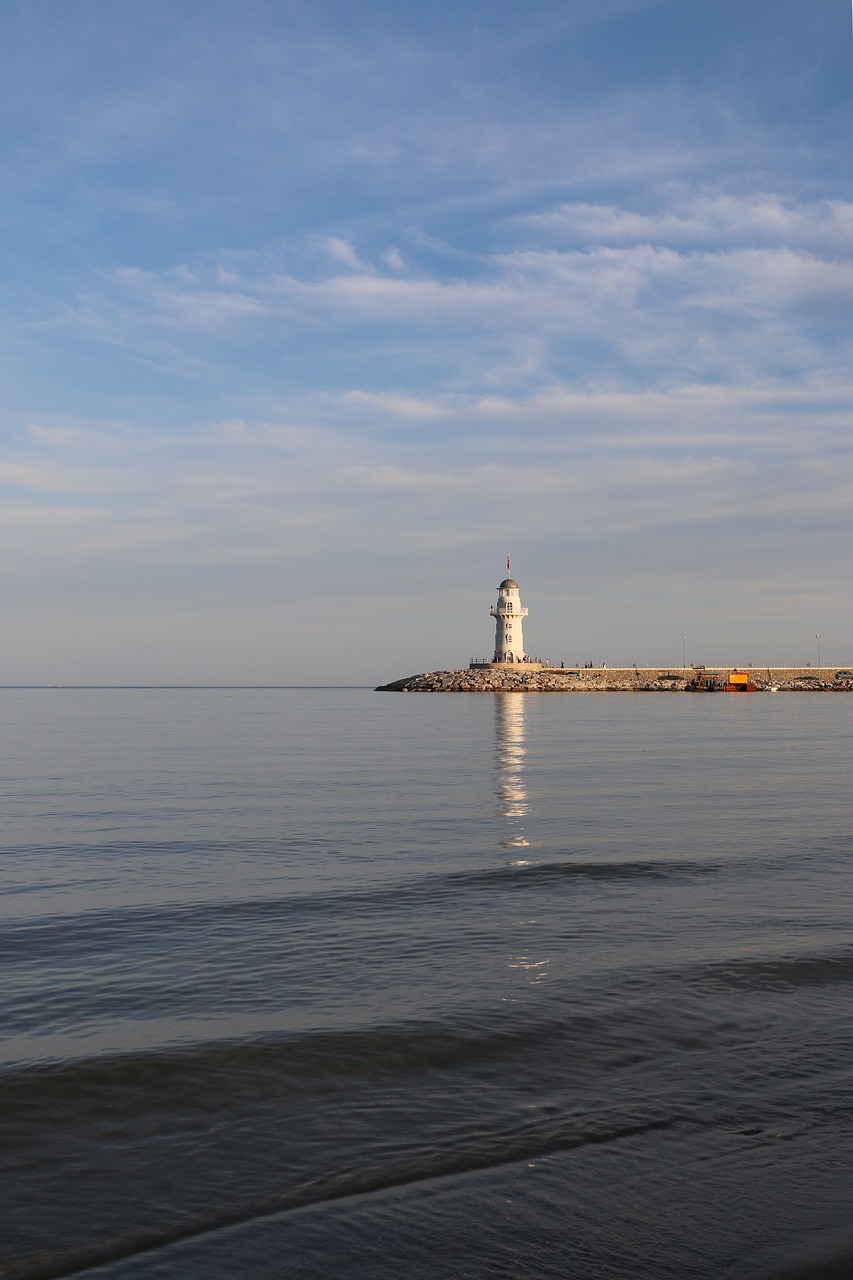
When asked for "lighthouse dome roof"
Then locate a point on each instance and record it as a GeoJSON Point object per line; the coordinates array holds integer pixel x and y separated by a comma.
{"type": "Point", "coordinates": [508, 582]}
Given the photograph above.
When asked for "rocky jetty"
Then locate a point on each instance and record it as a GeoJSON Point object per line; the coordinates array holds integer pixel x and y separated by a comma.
{"type": "Point", "coordinates": [508, 679]}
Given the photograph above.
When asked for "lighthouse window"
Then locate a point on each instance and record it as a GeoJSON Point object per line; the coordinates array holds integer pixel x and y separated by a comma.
{"type": "Point", "coordinates": [509, 606]}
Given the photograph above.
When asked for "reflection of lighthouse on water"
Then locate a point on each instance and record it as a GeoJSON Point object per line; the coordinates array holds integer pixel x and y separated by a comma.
{"type": "Point", "coordinates": [509, 753]}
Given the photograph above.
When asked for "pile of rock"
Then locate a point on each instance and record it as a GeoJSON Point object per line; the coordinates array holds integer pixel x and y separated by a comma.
{"type": "Point", "coordinates": [506, 679]}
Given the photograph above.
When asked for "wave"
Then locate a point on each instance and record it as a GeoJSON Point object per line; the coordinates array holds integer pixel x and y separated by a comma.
{"type": "Point", "coordinates": [763, 973]}
{"type": "Point", "coordinates": [570, 869]}
{"type": "Point", "coordinates": [84, 932]}
{"type": "Point", "coordinates": [326, 1189]}
{"type": "Point", "coordinates": [221, 1133]}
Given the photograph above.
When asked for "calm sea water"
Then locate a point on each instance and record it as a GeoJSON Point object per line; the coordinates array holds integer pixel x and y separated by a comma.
{"type": "Point", "coordinates": [309, 983]}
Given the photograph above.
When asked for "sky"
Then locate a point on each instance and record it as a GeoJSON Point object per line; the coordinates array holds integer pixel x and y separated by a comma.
{"type": "Point", "coordinates": [312, 312]}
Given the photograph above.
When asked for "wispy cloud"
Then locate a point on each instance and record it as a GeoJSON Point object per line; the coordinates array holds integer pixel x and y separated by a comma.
{"type": "Point", "coordinates": [712, 218]}
{"type": "Point", "coordinates": [728, 290]}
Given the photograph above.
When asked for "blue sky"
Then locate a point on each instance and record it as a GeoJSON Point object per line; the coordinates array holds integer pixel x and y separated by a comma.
{"type": "Point", "coordinates": [311, 312]}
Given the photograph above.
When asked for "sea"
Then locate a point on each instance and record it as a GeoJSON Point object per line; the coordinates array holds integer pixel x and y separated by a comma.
{"type": "Point", "coordinates": [332, 983]}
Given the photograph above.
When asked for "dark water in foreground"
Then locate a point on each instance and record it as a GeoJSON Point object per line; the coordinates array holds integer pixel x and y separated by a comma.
{"type": "Point", "coordinates": [315, 983]}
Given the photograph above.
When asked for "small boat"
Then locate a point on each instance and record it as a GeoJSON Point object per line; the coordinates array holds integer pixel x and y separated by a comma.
{"type": "Point", "coordinates": [772, 688]}
{"type": "Point", "coordinates": [704, 681]}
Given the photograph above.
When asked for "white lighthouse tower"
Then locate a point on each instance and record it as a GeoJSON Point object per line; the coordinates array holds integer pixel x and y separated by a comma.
{"type": "Point", "coordinates": [508, 613]}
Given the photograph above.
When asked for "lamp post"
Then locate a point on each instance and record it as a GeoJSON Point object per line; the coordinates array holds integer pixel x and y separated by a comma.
{"type": "Point", "coordinates": [684, 652]}
{"type": "Point", "coordinates": [818, 651]}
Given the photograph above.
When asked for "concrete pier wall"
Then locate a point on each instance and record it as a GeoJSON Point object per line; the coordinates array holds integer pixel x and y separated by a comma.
{"type": "Point", "coordinates": [531, 678]}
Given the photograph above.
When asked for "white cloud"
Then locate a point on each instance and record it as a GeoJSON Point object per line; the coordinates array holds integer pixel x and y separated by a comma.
{"type": "Point", "coordinates": [718, 288]}
{"type": "Point", "coordinates": [342, 251]}
{"type": "Point", "coordinates": [394, 259]}
{"type": "Point", "coordinates": [715, 218]}
{"type": "Point", "coordinates": [416, 408]}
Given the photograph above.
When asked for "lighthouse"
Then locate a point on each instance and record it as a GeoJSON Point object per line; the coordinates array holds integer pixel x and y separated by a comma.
{"type": "Point", "coordinates": [508, 613]}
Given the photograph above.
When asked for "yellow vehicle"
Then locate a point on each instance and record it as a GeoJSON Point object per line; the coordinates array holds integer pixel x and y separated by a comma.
{"type": "Point", "coordinates": [739, 682]}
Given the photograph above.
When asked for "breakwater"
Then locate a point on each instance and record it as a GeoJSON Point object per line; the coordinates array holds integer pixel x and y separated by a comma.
{"type": "Point", "coordinates": [535, 678]}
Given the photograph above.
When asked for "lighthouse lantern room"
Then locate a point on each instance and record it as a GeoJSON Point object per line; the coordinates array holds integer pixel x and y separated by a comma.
{"type": "Point", "coordinates": [508, 613]}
